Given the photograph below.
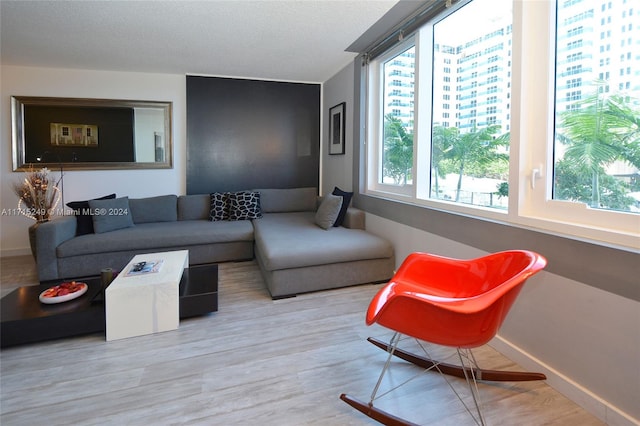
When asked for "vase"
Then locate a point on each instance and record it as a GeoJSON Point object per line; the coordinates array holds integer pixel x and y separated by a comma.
{"type": "Point", "coordinates": [32, 238]}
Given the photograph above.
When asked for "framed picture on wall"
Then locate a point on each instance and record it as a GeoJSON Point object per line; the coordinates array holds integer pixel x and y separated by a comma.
{"type": "Point", "coordinates": [85, 135]}
{"type": "Point", "coordinates": [336, 129]}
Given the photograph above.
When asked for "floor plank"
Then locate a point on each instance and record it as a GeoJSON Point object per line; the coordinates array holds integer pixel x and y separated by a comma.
{"type": "Point", "coordinates": [254, 362]}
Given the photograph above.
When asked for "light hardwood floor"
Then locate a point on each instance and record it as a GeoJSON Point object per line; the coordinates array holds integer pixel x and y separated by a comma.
{"type": "Point", "coordinates": [254, 362]}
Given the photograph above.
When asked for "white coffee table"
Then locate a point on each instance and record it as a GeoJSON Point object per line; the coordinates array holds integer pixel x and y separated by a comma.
{"type": "Point", "coordinates": [139, 304]}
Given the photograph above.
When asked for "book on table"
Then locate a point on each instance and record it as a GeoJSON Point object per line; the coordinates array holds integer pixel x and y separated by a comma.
{"type": "Point", "coordinates": [144, 267]}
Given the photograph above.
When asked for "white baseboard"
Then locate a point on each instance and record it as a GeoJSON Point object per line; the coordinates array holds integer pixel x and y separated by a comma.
{"type": "Point", "coordinates": [582, 396]}
{"type": "Point", "coordinates": [15, 252]}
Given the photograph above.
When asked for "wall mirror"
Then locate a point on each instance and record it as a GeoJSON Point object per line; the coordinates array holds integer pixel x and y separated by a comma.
{"type": "Point", "coordinates": [90, 134]}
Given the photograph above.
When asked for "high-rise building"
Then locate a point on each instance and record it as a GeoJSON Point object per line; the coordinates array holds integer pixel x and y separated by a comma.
{"type": "Point", "coordinates": [399, 87]}
{"type": "Point", "coordinates": [598, 48]}
{"type": "Point", "coordinates": [598, 45]}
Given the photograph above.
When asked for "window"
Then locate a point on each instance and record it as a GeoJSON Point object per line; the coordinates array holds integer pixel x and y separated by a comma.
{"type": "Point", "coordinates": [394, 159]}
{"type": "Point", "coordinates": [565, 177]}
{"type": "Point", "coordinates": [596, 144]}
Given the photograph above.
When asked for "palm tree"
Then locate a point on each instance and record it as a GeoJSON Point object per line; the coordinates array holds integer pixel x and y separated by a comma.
{"type": "Point", "coordinates": [624, 123]}
{"type": "Point", "coordinates": [576, 185]}
{"type": "Point", "coordinates": [600, 132]}
{"type": "Point", "coordinates": [441, 140]}
{"type": "Point", "coordinates": [398, 150]}
{"type": "Point", "coordinates": [478, 147]}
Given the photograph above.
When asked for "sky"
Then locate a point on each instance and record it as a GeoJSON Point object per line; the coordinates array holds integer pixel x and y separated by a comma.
{"type": "Point", "coordinates": [472, 20]}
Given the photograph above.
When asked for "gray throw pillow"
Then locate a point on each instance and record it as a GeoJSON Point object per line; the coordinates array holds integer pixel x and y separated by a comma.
{"type": "Point", "coordinates": [328, 211]}
{"type": "Point", "coordinates": [109, 215]}
{"type": "Point", "coordinates": [82, 211]}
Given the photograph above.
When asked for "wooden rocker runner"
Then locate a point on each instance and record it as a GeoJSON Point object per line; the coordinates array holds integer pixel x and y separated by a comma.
{"type": "Point", "coordinates": [450, 302]}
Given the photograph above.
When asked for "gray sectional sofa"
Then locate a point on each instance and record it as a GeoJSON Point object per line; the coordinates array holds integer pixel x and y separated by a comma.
{"type": "Point", "coordinates": [295, 255]}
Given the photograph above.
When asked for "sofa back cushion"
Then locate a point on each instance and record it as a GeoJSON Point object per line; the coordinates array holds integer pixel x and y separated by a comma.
{"type": "Point", "coordinates": [163, 208]}
{"type": "Point", "coordinates": [194, 207]}
{"type": "Point", "coordinates": [288, 200]}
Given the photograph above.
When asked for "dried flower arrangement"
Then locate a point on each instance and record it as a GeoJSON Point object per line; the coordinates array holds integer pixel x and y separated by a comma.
{"type": "Point", "coordinates": [38, 195]}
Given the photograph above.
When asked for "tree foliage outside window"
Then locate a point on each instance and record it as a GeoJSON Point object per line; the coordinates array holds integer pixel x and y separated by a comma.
{"type": "Point", "coordinates": [602, 131]}
{"type": "Point", "coordinates": [444, 122]}
{"type": "Point", "coordinates": [591, 138]}
{"type": "Point", "coordinates": [398, 151]}
{"type": "Point", "coordinates": [476, 154]}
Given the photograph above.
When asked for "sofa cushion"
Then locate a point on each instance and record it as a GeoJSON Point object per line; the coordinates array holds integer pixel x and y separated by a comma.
{"type": "Point", "coordinates": [288, 200]}
{"type": "Point", "coordinates": [346, 200]}
{"type": "Point", "coordinates": [159, 236]}
{"type": "Point", "coordinates": [293, 240]}
{"type": "Point", "coordinates": [110, 215]}
{"type": "Point", "coordinates": [219, 209]}
{"type": "Point", "coordinates": [244, 205]}
{"type": "Point", "coordinates": [328, 211]}
{"type": "Point", "coordinates": [194, 207]}
{"type": "Point", "coordinates": [163, 208]}
{"type": "Point", "coordinates": [82, 211]}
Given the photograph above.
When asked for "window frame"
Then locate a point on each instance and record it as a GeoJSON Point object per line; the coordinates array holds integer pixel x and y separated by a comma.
{"type": "Point", "coordinates": [375, 129]}
{"type": "Point", "coordinates": [535, 206]}
{"type": "Point", "coordinates": [532, 118]}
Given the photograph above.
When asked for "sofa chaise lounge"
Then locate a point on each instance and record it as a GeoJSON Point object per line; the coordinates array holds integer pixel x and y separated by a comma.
{"type": "Point", "coordinates": [294, 254]}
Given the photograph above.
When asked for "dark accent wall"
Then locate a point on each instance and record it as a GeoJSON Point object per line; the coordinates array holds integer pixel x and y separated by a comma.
{"type": "Point", "coordinates": [115, 134]}
{"type": "Point", "coordinates": [244, 134]}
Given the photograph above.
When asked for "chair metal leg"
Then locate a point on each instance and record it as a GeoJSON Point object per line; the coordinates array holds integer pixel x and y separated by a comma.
{"type": "Point", "coordinates": [467, 369]}
{"type": "Point", "coordinates": [367, 408]}
{"type": "Point", "coordinates": [470, 377]}
{"type": "Point", "coordinates": [391, 348]}
{"type": "Point", "coordinates": [458, 371]}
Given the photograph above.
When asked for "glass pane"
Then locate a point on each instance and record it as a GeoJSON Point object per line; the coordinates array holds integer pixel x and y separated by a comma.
{"type": "Point", "coordinates": [471, 99]}
{"type": "Point", "coordinates": [597, 139]}
{"type": "Point", "coordinates": [397, 110]}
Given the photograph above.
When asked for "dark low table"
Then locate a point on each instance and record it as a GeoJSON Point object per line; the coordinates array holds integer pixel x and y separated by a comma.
{"type": "Point", "coordinates": [25, 319]}
{"type": "Point", "coordinates": [199, 290]}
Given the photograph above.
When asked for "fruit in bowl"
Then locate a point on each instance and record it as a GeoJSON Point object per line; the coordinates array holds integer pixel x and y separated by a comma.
{"type": "Point", "coordinates": [61, 293]}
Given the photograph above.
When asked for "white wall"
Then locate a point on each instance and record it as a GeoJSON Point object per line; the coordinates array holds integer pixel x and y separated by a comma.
{"type": "Point", "coordinates": [336, 169]}
{"type": "Point", "coordinates": [81, 185]}
{"type": "Point", "coordinates": [586, 340]}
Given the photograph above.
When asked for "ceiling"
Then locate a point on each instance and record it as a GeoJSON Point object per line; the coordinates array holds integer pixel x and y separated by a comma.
{"type": "Point", "coordinates": [293, 40]}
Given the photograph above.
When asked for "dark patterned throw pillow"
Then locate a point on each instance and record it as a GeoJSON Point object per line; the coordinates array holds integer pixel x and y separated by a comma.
{"type": "Point", "coordinates": [219, 206]}
{"type": "Point", "coordinates": [346, 200]}
{"type": "Point", "coordinates": [244, 205]}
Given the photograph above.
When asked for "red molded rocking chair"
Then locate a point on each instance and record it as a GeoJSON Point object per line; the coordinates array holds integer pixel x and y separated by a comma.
{"type": "Point", "coordinates": [450, 302]}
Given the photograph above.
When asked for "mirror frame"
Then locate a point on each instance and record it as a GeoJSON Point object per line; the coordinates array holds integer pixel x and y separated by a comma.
{"type": "Point", "coordinates": [18, 104]}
